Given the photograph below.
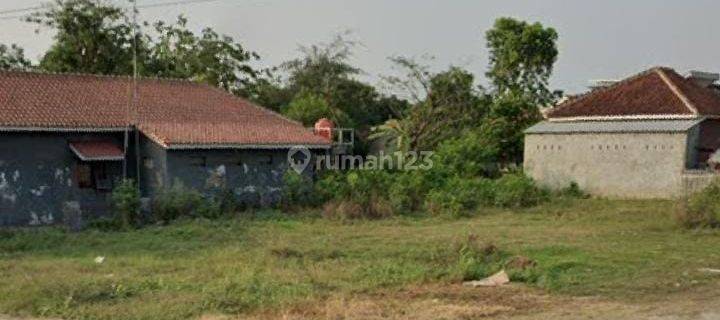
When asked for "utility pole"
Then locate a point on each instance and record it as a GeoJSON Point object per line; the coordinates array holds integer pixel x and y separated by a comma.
{"type": "Point", "coordinates": [135, 95]}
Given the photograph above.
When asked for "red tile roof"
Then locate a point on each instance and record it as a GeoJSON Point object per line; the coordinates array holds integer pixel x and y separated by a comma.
{"type": "Point", "coordinates": [656, 93]}
{"type": "Point", "coordinates": [169, 111]}
{"type": "Point", "coordinates": [97, 150]}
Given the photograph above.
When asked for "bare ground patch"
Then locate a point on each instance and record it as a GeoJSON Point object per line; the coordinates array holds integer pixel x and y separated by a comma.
{"type": "Point", "coordinates": [517, 302]}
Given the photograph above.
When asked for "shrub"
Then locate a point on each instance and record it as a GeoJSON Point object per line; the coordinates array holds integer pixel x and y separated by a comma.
{"type": "Point", "coordinates": [357, 194]}
{"type": "Point", "coordinates": [515, 190]}
{"type": "Point", "coordinates": [459, 196]}
{"type": "Point", "coordinates": [176, 201]}
{"type": "Point", "coordinates": [409, 190]}
{"type": "Point", "coordinates": [470, 155]}
{"type": "Point", "coordinates": [701, 209]}
{"type": "Point", "coordinates": [126, 202]}
{"type": "Point", "coordinates": [573, 191]}
{"type": "Point", "coordinates": [222, 202]}
{"type": "Point", "coordinates": [475, 260]}
{"type": "Point", "coordinates": [298, 190]}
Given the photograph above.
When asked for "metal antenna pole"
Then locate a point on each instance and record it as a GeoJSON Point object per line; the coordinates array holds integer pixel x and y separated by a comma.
{"type": "Point", "coordinates": [135, 95]}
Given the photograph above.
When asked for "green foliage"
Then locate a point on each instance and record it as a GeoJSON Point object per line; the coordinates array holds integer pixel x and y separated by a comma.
{"type": "Point", "coordinates": [444, 105]}
{"type": "Point", "coordinates": [573, 191]}
{"type": "Point", "coordinates": [207, 57]}
{"type": "Point", "coordinates": [91, 36]}
{"type": "Point", "coordinates": [509, 116]}
{"type": "Point", "coordinates": [521, 58]}
{"type": "Point", "coordinates": [460, 196]}
{"type": "Point", "coordinates": [126, 202]}
{"type": "Point", "coordinates": [702, 209]}
{"type": "Point", "coordinates": [356, 194]}
{"type": "Point", "coordinates": [324, 71]}
{"type": "Point", "coordinates": [220, 203]}
{"type": "Point", "coordinates": [13, 58]}
{"type": "Point", "coordinates": [97, 37]}
{"type": "Point", "coordinates": [408, 190]}
{"type": "Point", "coordinates": [298, 190]}
{"type": "Point", "coordinates": [516, 190]}
{"type": "Point", "coordinates": [175, 202]}
{"type": "Point", "coordinates": [476, 261]}
{"type": "Point", "coordinates": [472, 154]}
{"type": "Point", "coordinates": [308, 108]}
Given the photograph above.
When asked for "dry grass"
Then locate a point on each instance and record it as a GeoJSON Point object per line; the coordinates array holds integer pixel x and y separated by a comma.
{"type": "Point", "coordinates": [299, 266]}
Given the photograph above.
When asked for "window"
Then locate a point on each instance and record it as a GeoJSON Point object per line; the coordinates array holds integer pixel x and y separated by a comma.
{"type": "Point", "coordinates": [83, 176]}
{"type": "Point", "coordinates": [93, 175]}
{"type": "Point", "coordinates": [102, 179]}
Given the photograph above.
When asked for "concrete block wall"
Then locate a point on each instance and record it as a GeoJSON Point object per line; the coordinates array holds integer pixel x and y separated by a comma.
{"type": "Point", "coordinates": [615, 165]}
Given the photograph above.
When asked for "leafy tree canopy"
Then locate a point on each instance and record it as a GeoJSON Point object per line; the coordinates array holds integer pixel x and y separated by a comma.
{"type": "Point", "coordinates": [96, 36]}
{"type": "Point", "coordinates": [91, 37]}
{"type": "Point", "coordinates": [13, 57]}
{"type": "Point", "coordinates": [521, 58]}
{"type": "Point", "coordinates": [443, 105]}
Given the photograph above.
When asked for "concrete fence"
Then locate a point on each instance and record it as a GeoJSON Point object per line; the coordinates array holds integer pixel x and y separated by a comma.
{"type": "Point", "coordinates": [696, 180]}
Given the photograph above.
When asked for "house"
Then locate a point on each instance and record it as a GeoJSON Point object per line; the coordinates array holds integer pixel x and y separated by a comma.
{"type": "Point", "coordinates": [68, 138]}
{"type": "Point", "coordinates": [647, 136]}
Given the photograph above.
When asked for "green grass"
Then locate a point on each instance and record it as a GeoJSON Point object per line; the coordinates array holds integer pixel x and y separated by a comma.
{"type": "Point", "coordinates": [616, 249]}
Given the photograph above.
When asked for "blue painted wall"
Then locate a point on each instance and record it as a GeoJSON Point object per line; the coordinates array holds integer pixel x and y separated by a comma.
{"type": "Point", "coordinates": [37, 176]}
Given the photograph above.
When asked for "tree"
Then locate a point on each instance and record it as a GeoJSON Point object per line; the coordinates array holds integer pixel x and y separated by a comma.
{"type": "Point", "coordinates": [91, 36]}
{"type": "Point", "coordinates": [308, 108]}
{"type": "Point", "coordinates": [521, 58]}
{"type": "Point", "coordinates": [325, 71]}
{"type": "Point", "coordinates": [443, 105]}
{"type": "Point", "coordinates": [521, 63]}
{"type": "Point", "coordinates": [97, 37]}
{"type": "Point", "coordinates": [506, 122]}
{"type": "Point", "coordinates": [208, 57]}
{"type": "Point", "coordinates": [13, 57]}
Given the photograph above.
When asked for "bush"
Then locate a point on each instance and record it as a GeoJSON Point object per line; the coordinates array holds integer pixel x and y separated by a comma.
{"type": "Point", "coordinates": [175, 202]}
{"type": "Point", "coordinates": [701, 209]}
{"type": "Point", "coordinates": [126, 202]}
{"type": "Point", "coordinates": [475, 260]}
{"type": "Point", "coordinates": [298, 191]}
{"type": "Point", "coordinates": [573, 191]}
{"type": "Point", "coordinates": [516, 190]}
{"type": "Point", "coordinates": [470, 155]}
{"type": "Point", "coordinates": [408, 191]}
{"type": "Point", "coordinates": [222, 202]}
{"type": "Point", "coordinates": [356, 194]}
{"type": "Point", "coordinates": [459, 196]}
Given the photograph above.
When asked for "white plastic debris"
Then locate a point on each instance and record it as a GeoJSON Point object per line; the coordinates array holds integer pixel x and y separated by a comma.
{"type": "Point", "coordinates": [99, 259]}
{"type": "Point", "coordinates": [709, 270]}
{"type": "Point", "coordinates": [495, 280]}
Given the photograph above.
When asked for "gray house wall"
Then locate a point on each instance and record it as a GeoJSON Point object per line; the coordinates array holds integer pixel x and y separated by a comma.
{"type": "Point", "coordinates": [153, 167]}
{"type": "Point", "coordinates": [37, 177]}
{"type": "Point", "coordinates": [254, 176]}
{"type": "Point", "coordinates": [622, 165]}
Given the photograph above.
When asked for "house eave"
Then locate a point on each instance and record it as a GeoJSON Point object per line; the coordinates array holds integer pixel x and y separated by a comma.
{"type": "Point", "coordinates": [630, 117]}
{"type": "Point", "coordinates": [243, 146]}
{"type": "Point", "coordinates": [61, 129]}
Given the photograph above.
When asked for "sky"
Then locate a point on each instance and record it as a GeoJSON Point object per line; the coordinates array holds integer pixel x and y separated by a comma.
{"type": "Point", "coordinates": [608, 39]}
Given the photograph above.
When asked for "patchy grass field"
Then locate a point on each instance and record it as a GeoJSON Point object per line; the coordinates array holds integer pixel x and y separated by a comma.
{"type": "Point", "coordinates": [616, 250]}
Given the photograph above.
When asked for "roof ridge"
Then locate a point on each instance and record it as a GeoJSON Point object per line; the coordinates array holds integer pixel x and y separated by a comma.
{"type": "Point", "coordinates": [616, 84]}
{"type": "Point", "coordinates": [590, 93]}
{"type": "Point", "coordinates": [675, 90]}
{"type": "Point", "coordinates": [95, 75]}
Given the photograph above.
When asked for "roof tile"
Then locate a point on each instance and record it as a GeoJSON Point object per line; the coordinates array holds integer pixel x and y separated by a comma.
{"type": "Point", "coordinates": [658, 91]}
{"type": "Point", "coordinates": [172, 111]}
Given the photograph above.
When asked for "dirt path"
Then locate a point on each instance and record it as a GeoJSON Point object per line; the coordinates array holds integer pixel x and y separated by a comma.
{"type": "Point", "coordinates": [513, 302]}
